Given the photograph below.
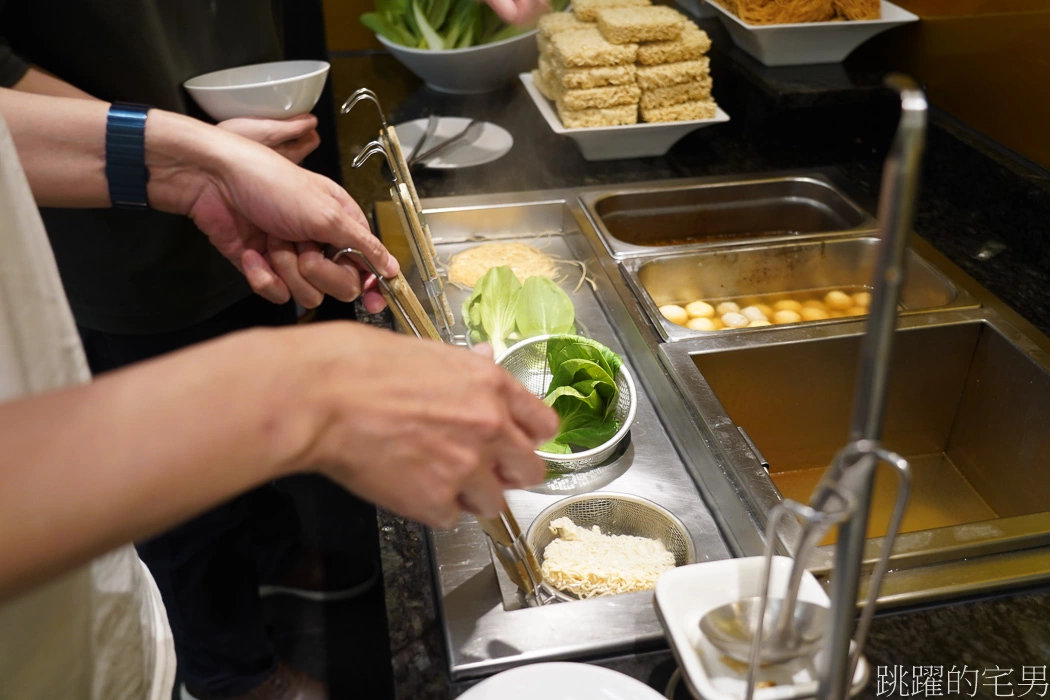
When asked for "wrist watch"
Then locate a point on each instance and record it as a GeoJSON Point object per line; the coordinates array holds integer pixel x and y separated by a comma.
{"type": "Point", "coordinates": [126, 169]}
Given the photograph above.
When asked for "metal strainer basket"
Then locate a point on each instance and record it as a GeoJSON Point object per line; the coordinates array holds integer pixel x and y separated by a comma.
{"type": "Point", "coordinates": [527, 362]}
{"type": "Point", "coordinates": [615, 514]}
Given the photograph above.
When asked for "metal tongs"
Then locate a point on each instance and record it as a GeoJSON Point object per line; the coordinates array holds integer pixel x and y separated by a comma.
{"type": "Point", "coordinates": [519, 560]}
{"type": "Point", "coordinates": [406, 201]}
{"type": "Point", "coordinates": [512, 550]}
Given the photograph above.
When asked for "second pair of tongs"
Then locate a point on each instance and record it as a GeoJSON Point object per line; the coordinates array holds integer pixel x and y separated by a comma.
{"type": "Point", "coordinates": [518, 559]}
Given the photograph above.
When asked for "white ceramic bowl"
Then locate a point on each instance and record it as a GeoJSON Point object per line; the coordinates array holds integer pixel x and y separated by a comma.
{"type": "Point", "coordinates": [273, 90]}
{"type": "Point", "coordinates": [640, 140]}
{"type": "Point", "coordinates": [469, 71]}
{"type": "Point", "coordinates": [808, 42]}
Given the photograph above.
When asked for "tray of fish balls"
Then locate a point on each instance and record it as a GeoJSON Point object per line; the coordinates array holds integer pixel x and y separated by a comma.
{"type": "Point", "coordinates": [741, 288]}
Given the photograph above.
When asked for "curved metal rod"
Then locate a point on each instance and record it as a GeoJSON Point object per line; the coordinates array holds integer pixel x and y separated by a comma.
{"type": "Point", "coordinates": [901, 466]}
{"type": "Point", "coordinates": [363, 94]}
{"type": "Point", "coordinates": [371, 149]}
{"type": "Point", "coordinates": [381, 281]}
{"type": "Point", "coordinates": [817, 520]}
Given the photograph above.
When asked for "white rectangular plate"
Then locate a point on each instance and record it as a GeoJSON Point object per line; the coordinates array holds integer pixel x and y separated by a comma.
{"type": "Point", "coordinates": [685, 594]}
{"type": "Point", "coordinates": [608, 142]}
{"type": "Point", "coordinates": [808, 42]}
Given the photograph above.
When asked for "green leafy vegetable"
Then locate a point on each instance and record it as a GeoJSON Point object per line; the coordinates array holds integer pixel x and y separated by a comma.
{"type": "Point", "coordinates": [442, 24]}
{"type": "Point", "coordinates": [544, 308]}
{"type": "Point", "coordinates": [501, 310]}
{"type": "Point", "coordinates": [582, 391]}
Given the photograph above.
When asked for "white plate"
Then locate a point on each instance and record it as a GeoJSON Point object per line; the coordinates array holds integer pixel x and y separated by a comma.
{"type": "Point", "coordinates": [487, 142]}
{"type": "Point", "coordinates": [684, 594]}
{"type": "Point", "coordinates": [561, 681]}
{"type": "Point", "coordinates": [808, 42]}
{"type": "Point", "coordinates": [607, 142]}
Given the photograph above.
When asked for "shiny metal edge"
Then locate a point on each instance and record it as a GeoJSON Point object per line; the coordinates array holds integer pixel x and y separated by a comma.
{"type": "Point", "coordinates": [829, 177]}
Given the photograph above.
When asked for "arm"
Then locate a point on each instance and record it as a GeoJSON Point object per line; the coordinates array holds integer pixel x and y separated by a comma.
{"type": "Point", "coordinates": [420, 428]}
{"type": "Point", "coordinates": [267, 216]}
{"type": "Point", "coordinates": [40, 82]}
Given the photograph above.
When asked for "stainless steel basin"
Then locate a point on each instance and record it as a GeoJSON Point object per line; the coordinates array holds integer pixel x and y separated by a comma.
{"type": "Point", "coordinates": [968, 405]}
{"type": "Point", "coordinates": [767, 273]}
{"type": "Point", "coordinates": [638, 220]}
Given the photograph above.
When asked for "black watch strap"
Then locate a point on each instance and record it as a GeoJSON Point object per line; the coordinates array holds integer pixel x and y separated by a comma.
{"type": "Point", "coordinates": [126, 169]}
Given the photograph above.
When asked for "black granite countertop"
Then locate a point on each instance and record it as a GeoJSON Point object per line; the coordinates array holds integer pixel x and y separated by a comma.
{"type": "Point", "coordinates": [974, 194]}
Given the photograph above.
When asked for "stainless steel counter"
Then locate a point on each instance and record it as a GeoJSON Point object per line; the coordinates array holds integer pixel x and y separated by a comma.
{"type": "Point", "coordinates": [687, 452]}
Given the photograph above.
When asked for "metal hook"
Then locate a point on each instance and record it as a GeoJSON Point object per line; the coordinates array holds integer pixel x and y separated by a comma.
{"type": "Point", "coordinates": [371, 149]}
{"type": "Point", "coordinates": [363, 94]}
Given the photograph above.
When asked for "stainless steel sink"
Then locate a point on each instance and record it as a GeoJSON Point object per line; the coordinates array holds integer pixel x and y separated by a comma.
{"type": "Point", "coordinates": [967, 405]}
{"type": "Point", "coordinates": [786, 270]}
{"type": "Point", "coordinates": [638, 220]}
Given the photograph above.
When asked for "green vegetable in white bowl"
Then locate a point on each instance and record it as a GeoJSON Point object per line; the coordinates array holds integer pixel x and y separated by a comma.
{"type": "Point", "coordinates": [440, 24]}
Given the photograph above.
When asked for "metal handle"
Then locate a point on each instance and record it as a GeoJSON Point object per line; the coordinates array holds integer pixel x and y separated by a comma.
{"type": "Point", "coordinates": [518, 558]}
{"type": "Point", "coordinates": [816, 522]}
{"type": "Point", "coordinates": [444, 144]}
{"type": "Point", "coordinates": [900, 181]}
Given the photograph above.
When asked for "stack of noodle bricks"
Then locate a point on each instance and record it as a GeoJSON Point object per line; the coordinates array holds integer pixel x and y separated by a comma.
{"type": "Point", "coordinates": [617, 62]}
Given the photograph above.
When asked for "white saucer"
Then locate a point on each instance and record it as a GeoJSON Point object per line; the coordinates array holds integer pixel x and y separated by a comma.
{"type": "Point", "coordinates": [487, 143]}
{"type": "Point", "coordinates": [561, 681]}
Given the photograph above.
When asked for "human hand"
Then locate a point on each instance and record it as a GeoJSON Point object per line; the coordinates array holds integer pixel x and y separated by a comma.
{"type": "Point", "coordinates": [293, 138]}
{"type": "Point", "coordinates": [267, 216]}
{"type": "Point", "coordinates": [421, 428]}
{"type": "Point", "coordinates": [518, 11]}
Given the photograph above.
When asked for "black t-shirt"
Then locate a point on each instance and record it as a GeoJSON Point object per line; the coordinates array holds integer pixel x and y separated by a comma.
{"type": "Point", "coordinates": [130, 271]}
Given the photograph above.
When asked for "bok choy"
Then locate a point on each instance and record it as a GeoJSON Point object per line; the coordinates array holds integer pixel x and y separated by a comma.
{"type": "Point", "coordinates": [583, 392]}
{"type": "Point", "coordinates": [502, 311]}
{"type": "Point", "coordinates": [441, 24]}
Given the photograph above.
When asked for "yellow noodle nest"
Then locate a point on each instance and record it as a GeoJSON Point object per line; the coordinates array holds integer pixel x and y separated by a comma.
{"type": "Point", "coordinates": [467, 267]}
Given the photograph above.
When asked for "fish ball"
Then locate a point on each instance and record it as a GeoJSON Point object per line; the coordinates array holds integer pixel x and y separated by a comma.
{"type": "Point", "coordinates": [787, 305]}
{"type": "Point", "coordinates": [718, 323]}
{"type": "Point", "coordinates": [700, 309]}
{"type": "Point", "coordinates": [810, 313]}
{"type": "Point", "coordinates": [787, 316]}
{"type": "Point", "coordinates": [766, 309]}
{"type": "Point", "coordinates": [814, 304]}
{"type": "Point", "coordinates": [753, 313]}
{"type": "Point", "coordinates": [728, 307]}
{"type": "Point", "coordinates": [674, 313]}
{"type": "Point", "coordinates": [763, 322]}
{"type": "Point", "coordinates": [838, 300]}
{"type": "Point", "coordinates": [701, 323]}
{"type": "Point", "coordinates": [856, 311]}
{"type": "Point", "coordinates": [734, 319]}
{"type": "Point", "coordinates": [836, 313]}
{"type": "Point", "coordinates": [862, 299]}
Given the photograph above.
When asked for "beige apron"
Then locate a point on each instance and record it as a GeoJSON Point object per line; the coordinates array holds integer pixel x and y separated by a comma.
{"type": "Point", "coordinates": [99, 633]}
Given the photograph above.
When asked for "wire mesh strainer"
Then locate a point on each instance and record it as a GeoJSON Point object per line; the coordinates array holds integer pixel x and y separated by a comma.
{"type": "Point", "coordinates": [527, 362]}
{"type": "Point", "coordinates": [615, 514]}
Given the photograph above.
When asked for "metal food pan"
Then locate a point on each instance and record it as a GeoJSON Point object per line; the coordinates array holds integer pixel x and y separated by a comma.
{"type": "Point", "coordinates": [786, 270]}
{"type": "Point", "coordinates": [653, 218]}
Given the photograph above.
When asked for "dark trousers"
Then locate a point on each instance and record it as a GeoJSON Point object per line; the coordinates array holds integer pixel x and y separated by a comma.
{"type": "Point", "coordinates": [209, 569]}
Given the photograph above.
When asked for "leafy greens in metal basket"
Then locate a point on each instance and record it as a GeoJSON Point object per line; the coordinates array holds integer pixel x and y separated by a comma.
{"type": "Point", "coordinates": [583, 392]}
